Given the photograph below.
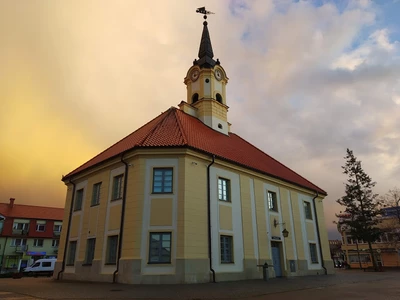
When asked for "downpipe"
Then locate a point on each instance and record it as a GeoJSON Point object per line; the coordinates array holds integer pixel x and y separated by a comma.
{"type": "Point", "coordinates": [209, 217]}
{"type": "Point", "coordinates": [318, 235]}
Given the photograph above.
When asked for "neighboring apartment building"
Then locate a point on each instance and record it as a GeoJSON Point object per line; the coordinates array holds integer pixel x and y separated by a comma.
{"type": "Point", "coordinates": [184, 200]}
{"type": "Point", "coordinates": [386, 249]}
{"type": "Point", "coordinates": [27, 233]}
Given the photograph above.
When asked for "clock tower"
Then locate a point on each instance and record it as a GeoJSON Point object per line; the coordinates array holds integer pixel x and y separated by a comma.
{"type": "Point", "coordinates": [206, 84]}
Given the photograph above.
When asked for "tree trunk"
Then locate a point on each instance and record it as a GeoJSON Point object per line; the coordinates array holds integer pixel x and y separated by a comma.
{"type": "Point", "coordinates": [358, 254]}
{"type": "Point", "coordinates": [372, 256]}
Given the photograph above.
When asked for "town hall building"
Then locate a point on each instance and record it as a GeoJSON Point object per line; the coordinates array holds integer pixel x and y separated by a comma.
{"type": "Point", "coordinates": [185, 200]}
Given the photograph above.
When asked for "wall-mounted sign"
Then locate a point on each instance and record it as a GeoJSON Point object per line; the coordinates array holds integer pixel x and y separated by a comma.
{"type": "Point", "coordinates": [33, 253]}
{"type": "Point", "coordinates": [276, 238]}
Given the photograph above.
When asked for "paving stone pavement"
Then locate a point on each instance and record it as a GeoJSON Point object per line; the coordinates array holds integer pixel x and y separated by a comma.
{"type": "Point", "coordinates": [346, 283]}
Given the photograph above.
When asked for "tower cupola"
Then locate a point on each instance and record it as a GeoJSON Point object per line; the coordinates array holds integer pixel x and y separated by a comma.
{"type": "Point", "coordinates": [206, 84]}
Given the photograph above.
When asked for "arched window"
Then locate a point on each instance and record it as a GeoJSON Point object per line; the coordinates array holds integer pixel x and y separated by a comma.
{"type": "Point", "coordinates": [195, 98]}
{"type": "Point", "coordinates": [219, 98]}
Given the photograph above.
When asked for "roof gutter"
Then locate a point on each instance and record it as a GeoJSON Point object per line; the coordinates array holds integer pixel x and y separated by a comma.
{"type": "Point", "coordinates": [209, 217]}
{"type": "Point", "coordinates": [121, 226]}
{"type": "Point", "coordinates": [68, 229]}
{"type": "Point", "coordinates": [318, 235]}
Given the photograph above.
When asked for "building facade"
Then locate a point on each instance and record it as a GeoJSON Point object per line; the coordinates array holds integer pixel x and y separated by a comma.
{"type": "Point", "coordinates": [27, 233]}
{"type": "Point", "coordinates": [184, 200]}
{"type": "Point", "coordinates": [386, 249]}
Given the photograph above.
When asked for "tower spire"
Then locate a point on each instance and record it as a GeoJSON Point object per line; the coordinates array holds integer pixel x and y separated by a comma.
{"type": "Point", "coordinates": [205, 51]}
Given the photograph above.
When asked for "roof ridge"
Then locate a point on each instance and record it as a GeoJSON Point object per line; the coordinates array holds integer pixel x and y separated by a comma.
{"type": "Point", "coordinates": [278, 162]}
{"type": "Point", "coordinates": [156, 126]}
{"type": "Point", "coordinates": [185, 140]}
{"type": "Point", "coordinates": [124, 138]}
{"type": "Point", "coordinates": [15, 204]}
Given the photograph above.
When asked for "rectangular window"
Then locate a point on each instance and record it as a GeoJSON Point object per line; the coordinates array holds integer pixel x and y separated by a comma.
{"type": "Point", "coordinates": [71, 253]}
{"type": "Point", "coordinates": [78, 200]}
{"type": "Point", "coordinates": [272, 202]}
{"type": "Point", "coordinates": [313, 253]}
{"type": "Point", "coordinates": [55, 243]}
{"type": "Point", "coordinates": [307, 210]}
{"type": "Point", "coordinates": [38, 242]}
{"type": "Point", "coordinates": [160, 248]}
{"type": "Point", "coordinates": [18, 242]}
{"type": "Point", "coordinates": [21, 226]}
{"type": "Point", "coordinates": [349, 240]}
{"type": "Point", "coordinates": [226, 242]}
{"type": "Point", "coordinates": [57, 228]}
{"type": "Point", "coordinates": [91, 243]}
{"type": "Point", "coordinates": [40, 227]}
{"type": "Point", "coordinates": [112, 245]}
{"type": "Point", "coordinates": [224, 189]}
{"type": "Point", "coordinates": [162, 180]}
{"type": "Point", "coordinates": [117, 187]}
{"type": "Point", "coordinates": [96, 194]}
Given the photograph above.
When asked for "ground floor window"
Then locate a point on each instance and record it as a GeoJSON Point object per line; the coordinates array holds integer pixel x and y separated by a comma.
{"type": "Point", "coordinates": [90, 246]}
{"type": "Point", "coordinates": [71, 253]}
{"type": "Point", "coordinates": [112, 246]}
{"type": "Point", "coordinates": [160, 248]}
{"type": "Point", "coordinates": [313, 253]}
{"type": "Point", "coordinates": [364, 258]}
{"type": "Point", "coordinates": [226, 244]}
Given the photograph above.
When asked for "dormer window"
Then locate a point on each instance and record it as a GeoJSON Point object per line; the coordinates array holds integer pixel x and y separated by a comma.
{"type": "Point", "coordinates": [195, 98]}
{"type": "Point", "coordinates": [219, 98]}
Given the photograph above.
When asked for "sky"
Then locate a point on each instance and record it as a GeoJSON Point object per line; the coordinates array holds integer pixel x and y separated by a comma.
{"type": "Point", "coordinates": [308, 79]}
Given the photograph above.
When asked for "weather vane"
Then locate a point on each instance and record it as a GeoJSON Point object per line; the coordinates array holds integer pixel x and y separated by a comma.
{"type": "Point", "coordinates": [202, 10]}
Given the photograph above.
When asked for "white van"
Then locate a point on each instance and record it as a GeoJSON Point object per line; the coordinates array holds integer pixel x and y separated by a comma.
{"type": "Point", "coordinates": [43, 266]}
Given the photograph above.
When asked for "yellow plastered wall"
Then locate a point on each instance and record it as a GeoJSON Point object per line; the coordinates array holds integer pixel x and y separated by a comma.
{"type": "Point", "coordinates": [114, 218]}
{"type": "Point", "coordinates": [94, 217]}
{"type": "Point", "coordinates": [195, 209]}
{"type": "Point", "coordinates": [310, 231]}
{"type": "Point", "coordinates": [225, 217]}
{"type": "Point", "coordinates": [63, 236]}
{"type": "Point", "coordinates": [297, 225]}
{"type": "Point", "coordinates": [248, 242]}
{"type": "Point", "coordinates": [161, 212]}
{"type": "Point", "coordinates": [134, 209]}
{"type": "Point", "coordinates": [285, 209]}
{"type": "Point", "coordinates": [180, 232]}
{"type": "Point", "coordinates": [75, 222]}
{"type": "Point", "coordinates": [322, 230]}
{"type": "Point", "coordinates": [261, 220]}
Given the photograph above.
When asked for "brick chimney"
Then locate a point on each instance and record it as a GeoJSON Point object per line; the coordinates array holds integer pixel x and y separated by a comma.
{"type": "Point", "coordinates": [12, 202]}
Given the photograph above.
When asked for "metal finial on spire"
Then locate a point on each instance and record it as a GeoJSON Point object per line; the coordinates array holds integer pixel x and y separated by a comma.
{"type": "Point", "coordinates": [202, 10]}
{"type": "Point", "coordinates": [205, 52]}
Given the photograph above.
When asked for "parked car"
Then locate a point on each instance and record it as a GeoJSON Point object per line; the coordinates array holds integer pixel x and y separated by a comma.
{"type": "Point", "coordinates": [43, 266]}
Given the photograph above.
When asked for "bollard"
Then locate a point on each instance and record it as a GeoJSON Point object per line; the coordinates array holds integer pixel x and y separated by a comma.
{"type": "Point", "coordinates": [265, 271]}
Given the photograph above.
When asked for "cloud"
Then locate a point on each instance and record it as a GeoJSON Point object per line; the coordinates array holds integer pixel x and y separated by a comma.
{"type": "Point", "coordinates": [306, 82]}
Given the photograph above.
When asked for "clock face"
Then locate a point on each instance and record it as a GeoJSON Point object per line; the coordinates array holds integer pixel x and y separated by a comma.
{"type": "Point", "coordinates": [194, 75]}
{"type": "Point", "coordinates": [218, 74]}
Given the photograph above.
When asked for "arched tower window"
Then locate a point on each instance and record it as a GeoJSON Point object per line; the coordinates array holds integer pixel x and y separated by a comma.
{"type": "Point", "coordinates": [195, 98]}
{"type": "Point", "coordinates": [219, 98]}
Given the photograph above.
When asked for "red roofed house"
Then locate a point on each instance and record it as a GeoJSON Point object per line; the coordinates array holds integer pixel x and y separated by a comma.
{"type": "Point", "coordinates": [183, 199]}
{"type": "Point", "coordinates": [27, 233]}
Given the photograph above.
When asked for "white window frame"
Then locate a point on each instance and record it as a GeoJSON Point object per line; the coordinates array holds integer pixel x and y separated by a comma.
{"type": "Point", "coordinates": [57, 227]}
{"type": "Point", "coordinates": [55, 243]}
{"type": "Point", "coordinates": [21, 243]}
{"type": "Point", "coordinates": [39, 226]}
{"type": "Point", "coordinates": [36, 243]}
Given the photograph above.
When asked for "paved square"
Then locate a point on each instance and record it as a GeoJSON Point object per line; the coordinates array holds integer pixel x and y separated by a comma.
{"type": "Point", "coordinates": [349, 284]}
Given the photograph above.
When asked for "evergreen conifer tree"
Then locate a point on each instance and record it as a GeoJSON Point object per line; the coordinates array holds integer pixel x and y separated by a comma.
{"type": "Point", "coordinates": [360, 203]}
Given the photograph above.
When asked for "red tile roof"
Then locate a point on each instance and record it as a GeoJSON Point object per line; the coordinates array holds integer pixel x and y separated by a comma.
{"type": "Point", "coordinates": [31, 212]}
{"type": "Point", "coordinates": [175, 128]}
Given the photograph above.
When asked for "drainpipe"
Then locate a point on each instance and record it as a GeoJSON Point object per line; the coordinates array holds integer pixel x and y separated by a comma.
{"type": "Point", "coordinates": [121, 226]}
{"type": "Point", "coordinates": [209, 217]}
{"type": "Point", "coordinates": [68, 229]}
{"type": "Point", "coordinates": [318, 235]}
